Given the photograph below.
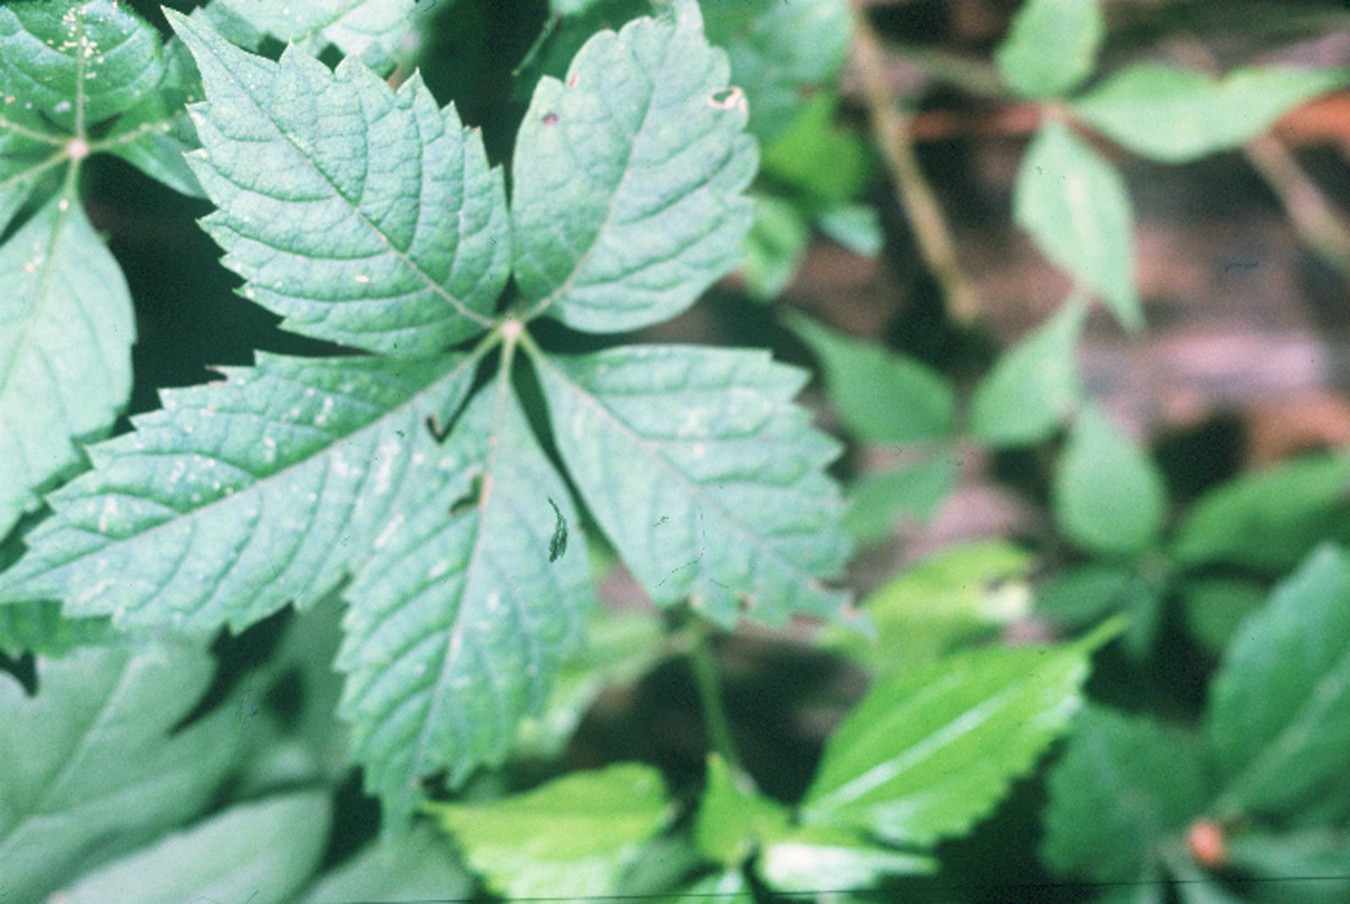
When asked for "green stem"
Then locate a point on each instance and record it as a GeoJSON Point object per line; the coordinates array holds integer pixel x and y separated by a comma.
{"type": "Point", "coordinates": [709, 683]}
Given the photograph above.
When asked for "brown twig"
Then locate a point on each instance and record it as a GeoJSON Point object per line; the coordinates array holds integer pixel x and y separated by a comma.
{"type": "Point", "coordinates": [891, 130]}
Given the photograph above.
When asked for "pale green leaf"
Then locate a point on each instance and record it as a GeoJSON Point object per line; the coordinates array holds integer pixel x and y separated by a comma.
{"type": "Point", "coordinates": [416, 867]}
{"type": "Point", "coordinates": [1034, 387]}
{"type": "Point", "coordinates": [1108, 495]}
{"type": "Point", "coordinates": [241, 496]}
{"type": "Point", "coordinates": [92, 764]}
{"type": "Point", "coordinates": [1074, 204]}
{"type": "Point", "coordinates": [626, 195]}
{"type": "Point", "coordinates": [460, 620]}
{"type": "Point", "coordinates": [1269, 519]}
{"type": "Point", "coordinates": [365, 215]}
{"type": "Point", "coordinates": [1215, 607]}
{"type": "Point", "coordinates": [881, 396]}
{"type": "Point", "coordinates": [949, 598]}
{"type": "Point", "coordinates": [856, 227]}
{"type": "Point", "coordinates": [154, 135]}
{"type": "Point", "coordinates": [66, 329]}
{"type": "Point", "coordinates": [727, 887]}
{"type": "Point", "coordinates": [1321, 856]}
{"type": "Point", "coordinates": [704, 475]}
{"type": "Point", "coordinates": [1279, 709]}
{"type": "Point", "coordinates": [779, 51]}
{"type": "Point", "coordinates": [733, 820]}
{"type": "Point", "coordinates": [263, 850]}
{"type": "Point", "coordinates": [369, 28]}
{"type": "Point", "coordinates": [73, 65]}
{"type": "Point", "coordinates": [39, 627]}
{"type": "Point", "coordinates": [1175, 115]}
{"type": "Point", "coordinates": [815, 155]}
{"type": "Point", "coordinates": [1123, 786]}
{"type": "Point", "coordinates": [24, 162]}
{"type": "Point", "coordinates": [1051, 46]}
{"type": "Point", "coordinates": [574, 835]}
{"type": "Point", "coordinates": [930, 751]}
{"type": "Point", "coordinates": [810, 859]}
{"type": "Point", "coordinates": [912, 494]}
{"type": "Point", "coordinates": [774, 247]}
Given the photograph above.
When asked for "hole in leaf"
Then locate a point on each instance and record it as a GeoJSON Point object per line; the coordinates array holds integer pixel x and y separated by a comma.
{"type": "Point", "coordinates": [726, 98]}
{"type": "Point", "coordinates": [550, 119]}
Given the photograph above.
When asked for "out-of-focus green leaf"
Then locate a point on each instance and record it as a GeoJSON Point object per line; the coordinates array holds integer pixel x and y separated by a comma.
{"type": "Point", "coordinates": [774, 246]}
{"type": "Point", "coordinates": [1307, 865]}
{"type": "Point", "coordinates": [1123, 786]}
{"type": "Point", "coordinates": [262, 851]}
{"type": "Point", "coordinates": [1051, 46]}
{"type": "Point", "coordinates": [727, 887]}
{"type": "Point", "coordinates": [1269, 519]}
{"type": "Point", "coordinates": [39, 627]}
{"type": "Point", "coordinates": [808, 860]}
{"type": "Point", "coordinates": [734, 821]}
{"type": "Point", "coordinates": [1074, 205]}
{"type": "Point", "coordinates": [1279, 709]}
{"type": "Point", "coordinates": [953, 596]}
{"type": "Point", "coordinates": [415, 866]}
{"type": "Point", "coordinates": [92, 766]}
{"type": "Point", "coordinates": [574, 834]}
{"type": "Point", "coordinates": [878, 499]}
{"type": "Point", "coordinates": [1079, 596]}
{"type": "Point", "coordinates": [1034, 387]}
{"type": "Point", "coordinates": [1175, 115]}
{"type": "Point", "coordinates": [368, 28]}
{"type": "Point", "coordinates": [930, 751]}
{"type": "Point", "coordinates": [854, 226]}
{"type": "Point", "coordinates": [1108, 496]}
{"type": "Point", "coordinates": [818, 157]}
{"type": "Point", "coordinates": [1214, 608]}
{"type": "Point", "coordinates": [881, 396]}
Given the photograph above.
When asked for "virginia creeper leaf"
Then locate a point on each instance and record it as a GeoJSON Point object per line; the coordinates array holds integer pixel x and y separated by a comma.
{"type": "Point", "coordinates": [1122, 787]}
{"type": "Point", "coordinates": [92, 765]}
{"type": "Point", "coordinates": [263, 850]}
{"type": "Point", "coordinates": [575, 833]}
{"type": "Point", "coordinates": [931, 750]}
{"type": "Point", "coordinates": [704, 475]}
{"type": "Point", "coordinates": [365, 215]}
{"type": "Point", "coordinates": [370, 28]}
{"type": "Point", "coordinates": [24, 161]}
{"type": "Point", "coordinates": [66, 330]}
{"type": "Point", "coordinates": [1175, 115]}
{"type": "Point", "coordinates": [1074, 204]}
{"type": "Point", "coordinates": [626, 200]}
{"type": "Point", "coordinates": [1279, 713]}
{"type": "Point", "coordinates": [460, 621]}
{"type": "Point", "coordinates": [1051, 46]}
{"type": "Point", "coordinates": [241, 496]}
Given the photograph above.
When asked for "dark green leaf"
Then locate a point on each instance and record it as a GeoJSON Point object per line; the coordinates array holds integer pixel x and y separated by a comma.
{"type": "Point", "coordinates": [1034, 387]}
{"type": "Point", "coordinates": [417, 866]}
{"type": "Point", "coordinates": [1279, 709]}
{"type": "Point", "coordinates": [930, 751]}
{"type": "Point", "coordinates": [92, 766]}
{"type": "Point", "coordinates": [1215, 607]}
{"type": "Point", "coordinates": [1123, 786]}
{"type": "Point", "coordinates": [1108, 496]}
{"type": "Point", "coordinates": [1074, 204]}
{"type": "Point", "coordinates": [1175, 115]}
{"type": "Point", "coordinates": [459, 621]}
{"type": "Point", "coordinates": [881, 396]}
{"type": "Point", "coordinates": [40, 627]}
{"type": "Point", "coordinates": [817, 156]}
{"type": "Point", "coordinates": [365, 215]}
{"type": "Point", "coordinates": [1051, 46]}
{"type": "Point", "coordinates": [627, 177]}
{"type": "Point", "coordinates": [913, 494]}
{"type": "Point", "coordinates": [575, 834]}
{"type": "Point", "coordinates": [1085, 594]}
{"type": "Point", "coordinates": [704, 475]}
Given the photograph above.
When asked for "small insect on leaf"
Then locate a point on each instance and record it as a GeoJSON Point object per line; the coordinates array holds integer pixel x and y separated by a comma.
{"type": "Point", "coordinates": [557, 545]}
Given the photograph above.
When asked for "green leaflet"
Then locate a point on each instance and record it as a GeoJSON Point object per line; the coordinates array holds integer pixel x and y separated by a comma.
{"type": "Point", "coordinates": [90, 766]}
{"type": "Point", "coordinates": [1074, 204]}
{"type": "Point", "coordinates": [417, 866]}
{"type": "Point", "coordinates": [460, 621]}
{"type": "Point", "coordinates": [704, 476]}
{"type": "Point", "coordinates": [1051, 46]}
{"type": "Point", "coordinates": [1175, 115]}
{"type": "Point", "coordinates": [263, 850]}
{"type": "Point", "coordinates": [575, 833]}
{"type": "Point", "coordinates": [366, 216]}
{"type": "Point", "coordinates": [242, 496]}
{"type": "Point", "coordinates": [626, 200]}
{"type": "Point", "coordinates": [369, 28]}
{"type": "Point", "coordinates": [734, 821]}
{"type": "Point", "coordinates": [66, 331]}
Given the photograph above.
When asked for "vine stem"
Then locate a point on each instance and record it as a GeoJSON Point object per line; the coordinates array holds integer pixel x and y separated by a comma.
{"type": "Point", "coordinates": [891, 130]}
{"type": "Point", "coordinates": [709, 683]}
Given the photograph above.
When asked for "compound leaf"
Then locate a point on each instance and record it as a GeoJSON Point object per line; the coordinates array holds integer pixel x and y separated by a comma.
{"type": "Point", "coordinates": [92, 763]}
{"type": "Point", "coordinates": [365, 215]}
{"type": "Point", "coordinates": [66, 330]}
{"type": "Point", "coordinates": [576, 833]}
{"type": "Point", "coordinates": [704, 475]}
{"type": "Point", "coordinates": [1074, 204]}
{"type": "Point", "coordinates": [263, 850]}
{"type": "Point", "coordinates": [241, 496]}
{"type": "Point", "coordinates": [1122, 786]}
{"type": "Point", "coordinates": [1051, 46]}
{"type": "Point", "coordinates": [461, 621]}
{"type": "Point", "coordinates": [1175, 115]}
{"type": "Point", "coordinates": [1279, 712]}
{"type": "Point", "coordinates": [369, 28]}
{"type": "Point", "coordinates": [931, 750]}
{"type": "Point", "coordinates": [627, 178]}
